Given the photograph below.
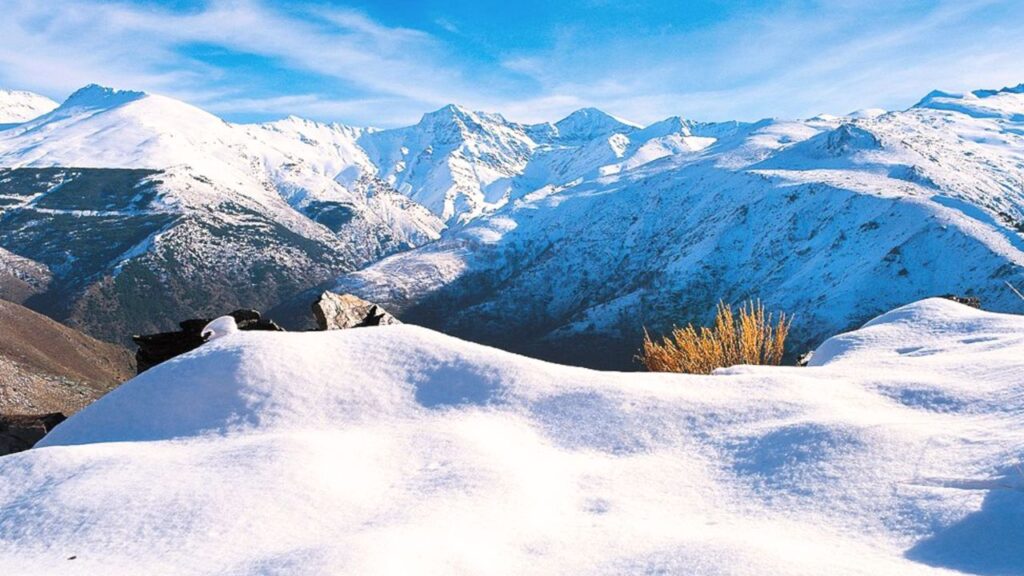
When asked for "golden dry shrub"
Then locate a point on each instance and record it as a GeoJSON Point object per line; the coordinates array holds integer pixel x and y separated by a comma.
{"type": "Point", "coordinates": [750, 337]}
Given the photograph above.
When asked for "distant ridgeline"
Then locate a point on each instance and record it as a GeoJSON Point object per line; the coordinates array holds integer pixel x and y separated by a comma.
{"type": "Point", "coordinates": [125, 212]}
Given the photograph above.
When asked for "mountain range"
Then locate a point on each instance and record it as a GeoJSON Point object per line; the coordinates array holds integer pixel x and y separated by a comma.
{"type": "Point", "coordinates": [832, 219]}
{"type": "Point", "coordinates": [125, 211]}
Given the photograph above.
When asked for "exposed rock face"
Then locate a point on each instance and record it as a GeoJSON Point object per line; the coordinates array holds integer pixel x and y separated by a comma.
{"type": "Point", "coordinates": [157, 348]}
{"type": "Point", "coordinates": [341, 311]}
{"type": "Point", "coordinates": [972, 301]}
{"type": "Point", "coordinates": [21, 432]}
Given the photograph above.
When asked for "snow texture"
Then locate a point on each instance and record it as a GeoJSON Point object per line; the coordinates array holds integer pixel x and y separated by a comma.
{"type": "Point", "coordinates": [17, 106]}
{"type": "Point", "coordinates": [219, 328]}
{"type": "Point", "coordinates": [398, 450]}
{"type": "Point", "coordinates": [289, 170]}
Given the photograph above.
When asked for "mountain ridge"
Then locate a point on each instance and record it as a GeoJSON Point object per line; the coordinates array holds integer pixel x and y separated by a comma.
{"type": "Point", "coordinates": [142, 194]}
{"type": "Point", "coordinates": [833, 220]}
{"type": "Point", "coordinates": [585, 235]}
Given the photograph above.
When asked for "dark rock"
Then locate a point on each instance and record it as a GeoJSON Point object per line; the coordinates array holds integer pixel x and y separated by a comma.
{"type": "Point", "coordinates": [157, 348]}
{"type": "Point", "coordinates": [23, 431]}
{"type": "Point", "coordinates": [342, 311]}
{"type": "Point", "coordinates": [972, 301]}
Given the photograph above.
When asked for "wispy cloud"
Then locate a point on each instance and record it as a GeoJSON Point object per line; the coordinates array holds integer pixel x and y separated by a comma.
{"type": "Point", "coordinates": [92, 41]}
{"type": "Point", "coordinates": [794, 61]}
{"type": "Point", "coordinates": [784, 59]}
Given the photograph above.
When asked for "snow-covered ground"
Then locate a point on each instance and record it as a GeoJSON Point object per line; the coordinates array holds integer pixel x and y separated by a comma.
{"type": "Point", "coordinates": [398, 450]}
{"type": "Point", "coordinates": [18, 106]}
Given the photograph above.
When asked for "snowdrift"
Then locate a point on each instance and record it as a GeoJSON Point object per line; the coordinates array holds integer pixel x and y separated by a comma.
{"type": "Point", "coordinates": [398, 450]}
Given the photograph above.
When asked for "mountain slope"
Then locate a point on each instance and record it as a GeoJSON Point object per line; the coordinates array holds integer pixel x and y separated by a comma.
{"type": "Point", "coordinates": [453, 161]}
{"type": "Point", "coordinates": [145, 210]}
{"type": "Point", "coordinates": [18, 106]}
{"type": "Point", "coordinates": [47, 367]}
{"type": "Point", "coordinates": [327, 452]}
{"type": "Point", "coordinates": [833, 220]}
{"type": "Point", "coordinates": [566, 238]}
{"type": "Point", "coordinates": [21, 278]}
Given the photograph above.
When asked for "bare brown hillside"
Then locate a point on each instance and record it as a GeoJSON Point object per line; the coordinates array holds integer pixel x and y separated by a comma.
{"type": "Point", "coordinates": [48, 367]}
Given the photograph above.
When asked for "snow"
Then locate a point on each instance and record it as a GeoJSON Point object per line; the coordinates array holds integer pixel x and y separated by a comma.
{"type": "Point", "coordinates": [867, 113]}
{"type": "Point", "coordinates": [400, 450]}
{"type": "Point", "coordinates": [837, 218]}
{"type": "Point", "coordinates": [17, 106]}
{"type": "Point", "coordinates": [449, 160]}
{"type": "Point", "coordinates": [587, 124]}
{"type": "Point", "coordinates": [219, 328]}
{"type": "Point", "coordinates": [313, 189]}
{"type": "Point", "coordinates": [840, 217]}
{"type": "Point", "coordinates": [282, 167]}
{"type": "Point", "coordinates": [1005, 104]}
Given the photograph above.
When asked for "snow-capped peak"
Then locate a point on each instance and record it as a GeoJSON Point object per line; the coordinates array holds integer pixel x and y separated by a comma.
{"type": "Point", "coordinates": [448, 112]}
{"type": "Point", "coordinates": [590, 123]}
{"type": "Point", "coordinates": [98, 97]}
{"type": "Point", "coordinates": [18, 106]}
{"type": "Point", "coordinates": [867, 113]}
{"type": "Point", "coordinates": [936, 95]}
{"type": "Point", "coordinates": [448, 160]}
{"type": "Point", "coordinates": [461, 120]}
{"type": "Point", "coordinates": [671, 125]}
{"type": "Point", "coordinates": [1006, 103]}
{"type": "Point", "coordinates": [296, 124]}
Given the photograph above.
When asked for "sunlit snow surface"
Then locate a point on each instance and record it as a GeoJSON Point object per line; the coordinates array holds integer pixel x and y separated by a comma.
{"type": "Point", "coordinates": [18, 106]}
{"type": "Point", "coordinates": [398, 450]}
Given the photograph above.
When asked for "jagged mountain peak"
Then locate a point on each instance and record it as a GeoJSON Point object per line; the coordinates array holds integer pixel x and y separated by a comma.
{"type": "Point", "coordinates": [591, 113]}
{"type": "Point", "coordinates": [448, 114]}
{"type": "Point", "coordinates": [1006, 103]}
{"type": "Point", "coordinates": [293, 123]}
{"type": "Point", "coordinates": [1018, 89]}
{"type": "Point", "coordinates": [936, 95]}
{"type": "Point", "coordinates": [460, 117]}
{"type": "Point", "coordinates": [595, 233]}
{"type": "Point", "coordinates": [670, 125]}
{"type": "Point", "coordinates": [96, 96]}
{"type": "Point", "coordinates": [450, 111]}
{"type": "Point", "coordinates": [590, 123]}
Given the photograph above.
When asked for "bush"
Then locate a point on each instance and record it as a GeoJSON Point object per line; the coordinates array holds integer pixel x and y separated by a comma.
{"type": "Point", "coordinates": [750, 338]}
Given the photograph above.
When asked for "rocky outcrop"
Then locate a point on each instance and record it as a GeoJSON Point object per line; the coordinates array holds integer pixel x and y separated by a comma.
{"type": "Point", "coordinates": [342, 311]}
{"type": "Point", "coordinates": [161, 347]}
{"type": "Point", "coordinates": [972, 301]}
{"type": "Point", "coordinates": [21, 432]}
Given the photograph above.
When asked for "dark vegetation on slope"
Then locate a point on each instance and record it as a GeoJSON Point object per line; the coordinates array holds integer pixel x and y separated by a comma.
{"type": "Point", "coordinates": [94, 230]}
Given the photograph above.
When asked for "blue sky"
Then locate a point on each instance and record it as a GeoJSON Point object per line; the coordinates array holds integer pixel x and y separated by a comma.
{"type": "Point", "coordinates": [384, 63]}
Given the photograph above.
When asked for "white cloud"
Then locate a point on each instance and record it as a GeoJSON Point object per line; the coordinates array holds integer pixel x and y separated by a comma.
{"type": "Point", "coordinates": [55, 51]}
{"type": "Point", "coordinates": [785, 59]}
